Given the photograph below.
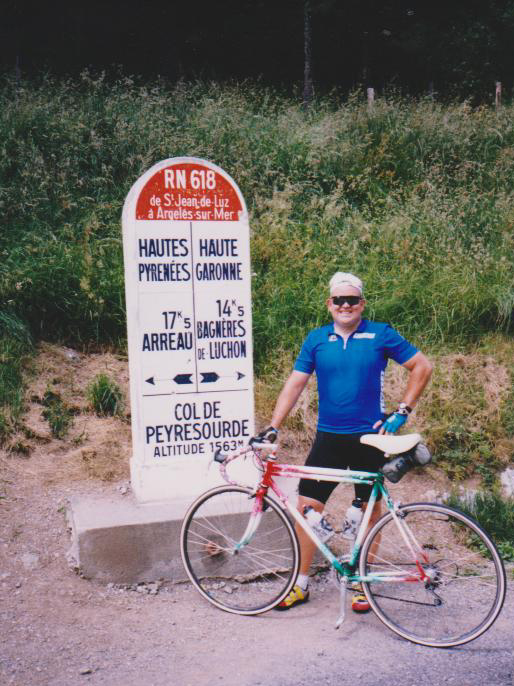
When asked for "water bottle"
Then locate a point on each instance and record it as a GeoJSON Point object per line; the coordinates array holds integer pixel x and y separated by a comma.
{"type": "Point", "coordinates": [318, 523]}
{"type": "Point", "coordinates": [352, 519]}
{"type": "Point", "coordinates": [396, 468]}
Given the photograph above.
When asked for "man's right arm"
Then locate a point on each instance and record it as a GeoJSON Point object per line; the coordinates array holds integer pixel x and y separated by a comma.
{"type": "Point", "coordinates": [288, 396]}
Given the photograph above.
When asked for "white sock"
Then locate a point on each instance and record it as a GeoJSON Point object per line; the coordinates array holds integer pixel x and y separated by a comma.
{"type": "Point", "coordinates": [302, 581]}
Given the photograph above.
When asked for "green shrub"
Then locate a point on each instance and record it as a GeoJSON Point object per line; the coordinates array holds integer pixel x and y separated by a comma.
{"type": "Point", "coordinates": [507, 409]}
{"type": "Point", "coordinates": [462, 453]}
{"type": "Point", "coordinates": [105, 396]}
{"type": "Point", "coordinates": [15, 347]}
{"type": "Point", "coordinates": [4, 427]}
{"type": "Point", "coordinates": [495, 514]}
{"type": "Point", "coordinates": [57, 414]}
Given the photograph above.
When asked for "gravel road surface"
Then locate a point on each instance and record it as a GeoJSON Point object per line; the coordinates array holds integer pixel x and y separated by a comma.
{"type": "Point", "coordinates": [61, 630]}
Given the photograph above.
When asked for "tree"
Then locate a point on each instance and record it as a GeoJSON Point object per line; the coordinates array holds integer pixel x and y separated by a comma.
{"type": "Point", "coordinates": [308, 88]}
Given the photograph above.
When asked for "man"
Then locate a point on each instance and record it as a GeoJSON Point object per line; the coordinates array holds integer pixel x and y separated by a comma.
{"type": "Point", "coordinates": [349, 357]}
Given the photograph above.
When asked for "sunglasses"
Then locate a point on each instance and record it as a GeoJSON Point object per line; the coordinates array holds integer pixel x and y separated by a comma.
{"type": "Point", "coordinates": [350, 299]}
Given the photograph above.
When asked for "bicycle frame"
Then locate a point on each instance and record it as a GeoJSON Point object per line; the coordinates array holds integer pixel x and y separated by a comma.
{"type": "Point", "coordinates": [416, 558]}
{"type": "Point", "coordinates": [346, 569]}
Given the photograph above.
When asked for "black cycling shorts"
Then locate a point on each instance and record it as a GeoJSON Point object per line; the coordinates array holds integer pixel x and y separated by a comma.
{"type": "Point", "coordinates": [340, 451]}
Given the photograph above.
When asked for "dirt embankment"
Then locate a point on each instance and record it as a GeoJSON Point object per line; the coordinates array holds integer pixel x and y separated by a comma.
{"type": "Point", "coordinates": [61, 630]}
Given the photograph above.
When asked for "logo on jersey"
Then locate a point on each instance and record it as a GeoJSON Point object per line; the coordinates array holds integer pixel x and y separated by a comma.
{"type": "Point", "coordinates": [364, 335]}
{"type": "Point", "coordinates": [332, 338]}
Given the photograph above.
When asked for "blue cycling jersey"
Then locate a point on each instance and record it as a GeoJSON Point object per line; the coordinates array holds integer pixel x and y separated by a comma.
{"type": "Point", "coordinates": [351, 376]}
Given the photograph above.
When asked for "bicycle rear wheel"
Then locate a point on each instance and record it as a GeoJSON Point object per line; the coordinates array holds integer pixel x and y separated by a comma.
{"type": "Point", "coordinates": [465, 583]}
{"type": "Point", "coordinates": [241, 578]}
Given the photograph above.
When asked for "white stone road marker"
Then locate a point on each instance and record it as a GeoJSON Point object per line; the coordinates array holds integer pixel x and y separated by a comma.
{"type": "Point", "coordinates": [188, 294]}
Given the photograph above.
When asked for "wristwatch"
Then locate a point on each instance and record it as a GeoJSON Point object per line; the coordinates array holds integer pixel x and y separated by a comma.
{"type": "Point", "coordinates": [403, 408]}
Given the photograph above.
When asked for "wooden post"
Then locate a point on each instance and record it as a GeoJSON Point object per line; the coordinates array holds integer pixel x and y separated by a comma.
{"type": "Point", "coordinates": [498, 95]}
{"type": "Point", "coordinates": [371, 98]}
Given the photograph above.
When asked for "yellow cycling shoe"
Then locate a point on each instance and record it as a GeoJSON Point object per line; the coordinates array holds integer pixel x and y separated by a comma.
{"type": "Point", "coordinates": [359, 600]}
{"type": "Point", "coordinates": [296, 597]}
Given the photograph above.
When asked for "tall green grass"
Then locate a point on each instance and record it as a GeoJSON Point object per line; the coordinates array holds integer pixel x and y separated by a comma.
{"type": "Point", "coordinates": [15, 346]}
{"type": "Point", "coordinates": [495, 514]}
{"type": "Point", "coordinates": [414, 196]}
{"type": "Point", "coordinates": [105, 396]}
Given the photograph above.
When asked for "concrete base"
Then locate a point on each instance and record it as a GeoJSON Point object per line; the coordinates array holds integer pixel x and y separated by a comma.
{"type": "Point", "coordinates": [118, 540]}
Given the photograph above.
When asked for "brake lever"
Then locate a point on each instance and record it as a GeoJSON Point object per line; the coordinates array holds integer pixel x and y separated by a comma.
{"type": "Point", "coordinates": [219, 456]}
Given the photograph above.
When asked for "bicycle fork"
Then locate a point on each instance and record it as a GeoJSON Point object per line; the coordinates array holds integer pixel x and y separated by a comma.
{"type": "Point", "coordinates": [254, 521]}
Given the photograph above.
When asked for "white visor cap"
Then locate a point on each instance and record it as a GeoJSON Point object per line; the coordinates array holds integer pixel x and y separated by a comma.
{"type": "Point", "coordinates": [344, 278]}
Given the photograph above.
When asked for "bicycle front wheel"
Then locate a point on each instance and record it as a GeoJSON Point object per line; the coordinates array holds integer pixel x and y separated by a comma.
{"type": "Point", "coordinates": [236, 566]}
{"type": "Point", "coordinates": [452, 594]}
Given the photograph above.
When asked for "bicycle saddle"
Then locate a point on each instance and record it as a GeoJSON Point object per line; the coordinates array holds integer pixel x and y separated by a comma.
{"type": "Point", "coordinates": [391, 445]}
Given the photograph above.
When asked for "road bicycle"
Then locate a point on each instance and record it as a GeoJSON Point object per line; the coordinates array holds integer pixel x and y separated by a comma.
{"type": "Point", "coordinates": [430, 572]}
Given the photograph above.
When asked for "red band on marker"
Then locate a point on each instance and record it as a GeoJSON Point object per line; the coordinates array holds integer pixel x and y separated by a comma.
{"type": "Point", "coordinates": [188, 192]}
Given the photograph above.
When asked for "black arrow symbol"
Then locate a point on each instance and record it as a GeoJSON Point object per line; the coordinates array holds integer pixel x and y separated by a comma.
{"type": "Point", "coordinates": [182, 378]}
{"type": "Point", "coordinates": [210, 377]}
{"type": "Point", "coordinates": [179, 378]}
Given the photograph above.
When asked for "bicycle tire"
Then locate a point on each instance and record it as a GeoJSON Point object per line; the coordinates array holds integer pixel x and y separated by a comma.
{"type": "Point", "coordinates": [467, 576]}
{"type": "Point", "coordinates": [254, 578]}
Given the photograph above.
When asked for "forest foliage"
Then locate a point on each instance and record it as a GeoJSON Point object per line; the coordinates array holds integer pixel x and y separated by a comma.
{"type": "Point", "coordinates": [452, 47]}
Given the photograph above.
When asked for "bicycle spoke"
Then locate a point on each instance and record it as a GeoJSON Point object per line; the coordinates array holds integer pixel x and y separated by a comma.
{"type": "Point", "coordinates": [388, 563]}
{"type": "Point", "coordinates": [247, 578]}
{"type": "Point", "coordinates": [208, 525]}
{"type": "Point", "coordinates": [202, 539]}
{"type": "Point", "coordinates": [473, 555]}
{"type": "Point", "coordinates": [476, 577]}
{"type": "Point", "coordinates": [465, 590]}
{"type": "Point", "coordinates": [251, 550]}
{"type": "Point", "coordinates": [252, 554]}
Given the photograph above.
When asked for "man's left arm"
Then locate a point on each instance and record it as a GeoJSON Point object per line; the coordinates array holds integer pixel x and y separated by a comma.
{"type": "Point", "coordinates": [420, 371]}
